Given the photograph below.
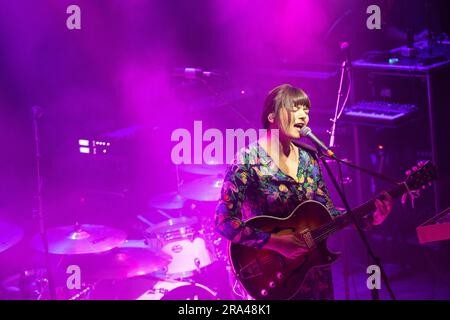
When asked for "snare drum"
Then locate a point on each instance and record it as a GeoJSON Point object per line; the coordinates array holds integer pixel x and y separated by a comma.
{"type": "Point", "coordinates": [186, 241]}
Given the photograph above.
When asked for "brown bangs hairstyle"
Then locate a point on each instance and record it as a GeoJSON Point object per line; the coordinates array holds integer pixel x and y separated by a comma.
{"type": "Point", "coordinates": [283, 96]}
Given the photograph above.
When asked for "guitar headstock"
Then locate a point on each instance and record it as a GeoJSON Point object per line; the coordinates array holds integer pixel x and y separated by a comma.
{"type": "Point", "coordinates": [421, 175]}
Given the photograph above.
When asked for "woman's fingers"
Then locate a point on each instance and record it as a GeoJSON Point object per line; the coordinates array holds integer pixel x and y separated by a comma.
{"type": "Point", "coordinates": [379, 205]}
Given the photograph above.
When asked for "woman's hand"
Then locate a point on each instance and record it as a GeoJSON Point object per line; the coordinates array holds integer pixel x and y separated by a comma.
{"type": "Point", "coordinates": [288, 245]}
{"type": "Point", "coordinates": [384, 206]}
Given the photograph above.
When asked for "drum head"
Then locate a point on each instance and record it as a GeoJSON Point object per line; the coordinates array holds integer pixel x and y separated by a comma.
{"type": "Point", "coordinates": [190, 292]}
{"type": "Point", "coordinates": [177, 290]}
{"type": "Point", "coordinates": [172, 225]}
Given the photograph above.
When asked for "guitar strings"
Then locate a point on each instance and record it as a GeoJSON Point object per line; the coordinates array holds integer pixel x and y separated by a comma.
{"type": "Point", "coordinates": [325, 234]}
{"type": "Point", "coordinates": [319, 230]}
{"type": "Point", "coordinates": [330, 227]}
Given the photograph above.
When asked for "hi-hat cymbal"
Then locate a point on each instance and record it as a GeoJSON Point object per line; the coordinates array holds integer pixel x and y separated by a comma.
{"type": "Point", "coordinates": [203, 189]}
{"type": "Point", "coordinates": [126, 262]}
{"type": "Point", "coordinates": [81, 239]}
{"type": "Point", "coordinates": [167, 201]}
{"type": "Point", "coordinates": [10, 234]}
{"type": "Point", "coordinates": [204, 169]}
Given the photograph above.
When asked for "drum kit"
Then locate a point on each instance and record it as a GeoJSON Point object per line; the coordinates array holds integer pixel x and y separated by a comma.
{"type": "Point", "coordinates": [164, 264]}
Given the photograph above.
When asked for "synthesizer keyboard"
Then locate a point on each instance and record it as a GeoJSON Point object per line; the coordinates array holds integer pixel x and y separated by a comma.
{"type": "Point", "coordinates": [435, 229]}
{"type": "Point", "coordinates": [379, 112]}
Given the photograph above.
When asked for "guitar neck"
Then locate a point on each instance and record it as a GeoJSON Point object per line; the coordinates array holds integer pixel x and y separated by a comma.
{"type": "Point", "coordinates": [359, 212]}
{"type": "Point", "coordinates": [369, 206]}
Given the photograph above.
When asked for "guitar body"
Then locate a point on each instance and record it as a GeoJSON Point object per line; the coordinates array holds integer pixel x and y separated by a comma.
{"type": "Point", "coordinates": [268, 275]}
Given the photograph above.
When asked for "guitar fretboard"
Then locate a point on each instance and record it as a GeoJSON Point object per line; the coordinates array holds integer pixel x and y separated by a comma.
{"type": "Point", "coordinates": [344, 220]}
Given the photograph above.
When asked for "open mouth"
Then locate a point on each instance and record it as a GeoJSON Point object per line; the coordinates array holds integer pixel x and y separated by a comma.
{"type": "Point", "coordinates": [299, 125]}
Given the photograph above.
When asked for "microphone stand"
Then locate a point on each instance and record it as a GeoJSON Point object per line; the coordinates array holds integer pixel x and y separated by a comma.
{"type": "Point", "coordinates": [39, 212]}
{"type": "Point", "coordinates": [362, 235]}
{"type": "Point", "coordinates": [345, 67]}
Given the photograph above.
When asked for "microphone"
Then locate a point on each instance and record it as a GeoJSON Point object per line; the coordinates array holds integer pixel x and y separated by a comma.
{"type": "Point", "coordinates": [345, 48]}
{"type": "Point", "coordinates": [307, 132]}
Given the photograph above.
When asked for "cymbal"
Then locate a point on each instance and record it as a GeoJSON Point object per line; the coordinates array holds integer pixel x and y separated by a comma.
{"type": "Point", "coordinates": [167, 201]}
{"type": "Point", "coordinates": [126, 262]}
{"type": "Point", "coordinates": [10, 234]}
{"type": "Point", "coordinates": [202, 189]}
{"type": "Point", "coordinates": [81, 239]}
{"type": "Point", "coordinates": [204, 169]}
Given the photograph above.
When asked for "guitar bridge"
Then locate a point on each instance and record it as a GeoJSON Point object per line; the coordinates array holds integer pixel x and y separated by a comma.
{"type": "Point", "coordinates": [308, 238]}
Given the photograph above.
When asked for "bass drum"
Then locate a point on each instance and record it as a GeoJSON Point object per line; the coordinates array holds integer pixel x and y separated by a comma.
{"type": "Point", "coordinates": [176, 290]}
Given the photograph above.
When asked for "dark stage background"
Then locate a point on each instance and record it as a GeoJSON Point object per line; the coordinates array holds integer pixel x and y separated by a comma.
{"type": "Point", "coordinates": [121, 79]}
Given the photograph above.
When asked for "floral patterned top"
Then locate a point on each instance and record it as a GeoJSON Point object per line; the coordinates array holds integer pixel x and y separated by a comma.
{"type": "Point", "coordinates": [254, 185]}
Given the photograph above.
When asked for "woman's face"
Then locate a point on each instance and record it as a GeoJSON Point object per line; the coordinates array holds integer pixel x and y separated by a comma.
{"type": "Point", "coordinates": [290, 126]}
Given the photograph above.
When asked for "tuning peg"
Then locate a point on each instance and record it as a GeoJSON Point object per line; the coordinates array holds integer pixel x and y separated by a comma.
{"type": "Point", "coordinates": [408, 172]}
{"type": "Point", "coordinates": [414, 168]}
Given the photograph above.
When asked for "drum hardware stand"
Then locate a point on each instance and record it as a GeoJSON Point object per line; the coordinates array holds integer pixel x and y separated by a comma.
{"type": "Point", "coordinates": [164, 214]}
{"type": "Point", "coordinates": [85, 292]}
{"type": "Point", "coordinates": [144, 220]}
{"type": "Point", "coordinates": [38, 211]}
